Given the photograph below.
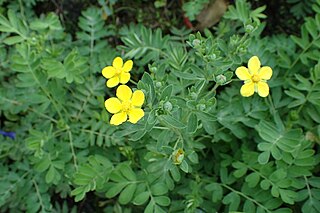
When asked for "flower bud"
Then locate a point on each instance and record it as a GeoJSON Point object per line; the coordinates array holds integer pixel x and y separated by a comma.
{"type": "Point", "coordinates": [242, 50]}
{"type": "Point", "coordinates": [294, 115]}
{"type": "Point", "coordinates": [221, 79]}
{"type": "Point", "coordinates": [153, 69]}
{"type": "Point", "coordinates": [158, 84]}
{"type": "Point", "coordinates": [201, 107]}
{"type": "Point", "coordinates": [167, 106]}
{"type": "Point", "coordinates": [310, 137]}
{"type": "Point", "coordinates": [196, 42]}
{"type": "Point", "coordinates": [212, 56]}
{"type": "Point", "coordinates": [249, 28]}
{"type": "Point", "coordinates": [178, 156]}
{"type": "Point", "coordinates": [193, 95]}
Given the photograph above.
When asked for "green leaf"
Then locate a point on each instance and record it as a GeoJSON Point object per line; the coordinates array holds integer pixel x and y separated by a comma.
{"type": "Point", "coordinates": [150, 207]}
{"type": "Point", "coordinates": [283, 210]}
{"type": "Point", "coordinates": [159, 189]}
{"type": "Point", "coordinates": [312, 28]}
{"type": "Point", "coordinates": [138, 135]}
{"type": "Point", "coordinates": [278, 175]}
{"type": "Point", "coordinates": [79, 192]}
{"type": "Point", "coordinates": [147, 80]}
{"type": "Point", "coordinates": [288, 196]}
{"type": "Point", "coordinates": [13, 19]}
{"type": "Point", "coordinates": [166, 93]}
{"type": "Point", "coordinates": [217, 191]}
{"type": "Point", "coordinates": [249, 207]}
{"type": "Point", "coordinates": [115, 189]}
{"type": "Point", "coordinates": [264, 157]}
{"type": "Point", "coordinates": [162, 200]}
{"type": "Point", "coordinates": [275, 152]}
{"type": "Point", "coordinates": [240, 172]}
{"type": "Point", "coordinates": [204, 116]}
{"type": "Point", "coordinates": [265, 184]}
{"type": "Point", "coordinates": [192, 124]}
{"type": "Point", "coordinates": [287, 141]}
{"type": "Point", "coordinates": [184, 166]}
{"type": "Point", "coordinates": [301, 42]}
{"type": "Point", "coordinates": [13, 40]}
{"type": "Point", "coordinates": [43, 164]}
{"type": "Point", "coordinates": [127, 194]}
{"type": "Point", "coordinates": [187, 76]}
{"type": "Point", "coordinates": [50, 174]}
{"type": "Point", "coordinates": [159, 209]}
{"type": "Point", "coordinates": [311, 206]}
{"type": "Point", "coordinates": [233, 200]}
{"type": "Point", "coordinates": [141, 198]}
{"type": "Point", "coordinates": [193, 157]}
{"type": "Point", "coordinates": [275, 191]}
{"type": "Point", "coordinates": [273, 203]}
{"type": "Point", "coordinates": [265, 146]}
{"type": "Point", "coordinates": [127, 172]}
{"type": "Point", "coordinates": [171, 121]}
{"type": "Point", "coordinates": [253, 179]}
{"type": "Point", "coordinates": [175, 173]}
{"type": "Point", "coordinates": [315, 182]}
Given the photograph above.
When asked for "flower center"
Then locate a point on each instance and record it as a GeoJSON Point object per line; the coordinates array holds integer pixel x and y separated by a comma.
{"type": "Point", "coordinates": [118, 71]}
{"type": "Point", "coordinates": [126, 106]}
{"type": "Point", "coordinates": [255, 78]}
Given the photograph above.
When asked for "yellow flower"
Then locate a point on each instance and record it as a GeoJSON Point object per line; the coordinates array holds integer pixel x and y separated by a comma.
{"type": "Point", "coordinates": [254, 77]}
{"type": "Point", "coordinates": [118, 72]}
{"type": "Point", "coordinates": [126, 105]}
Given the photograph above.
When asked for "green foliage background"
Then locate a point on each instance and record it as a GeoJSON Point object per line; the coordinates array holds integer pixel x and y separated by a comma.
{"type": "Point", "coordinates": [240, 154]}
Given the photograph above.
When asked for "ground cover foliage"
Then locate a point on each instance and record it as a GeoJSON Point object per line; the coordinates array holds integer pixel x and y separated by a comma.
{"type": "Point", "coordinates": [200, 147]}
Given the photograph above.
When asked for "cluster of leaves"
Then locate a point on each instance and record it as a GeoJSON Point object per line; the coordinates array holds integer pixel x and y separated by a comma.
{"type": "Point", "coordinates": [193, 8]}
{"type": "Point", "coordinates": [236, 154]}
{"type": "Point", "coordinates": [301, 8]}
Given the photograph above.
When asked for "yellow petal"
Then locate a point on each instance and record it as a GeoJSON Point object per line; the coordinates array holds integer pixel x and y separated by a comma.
{"type": "Point", "coordinates": [263, 89]}
{"type": "Point", "coordinates": [135, 115]}
{"type": "Point", "coordinates": [127, 66]}
{"type": "Point", "coordinates": [113, 105]}
{"type": "Point", "coordinates": [265, 73]}
{"type": "Point", "coordinates": [124, 77]}
{"type": "Point", "coordinates": [137, 98]}
{"type": "Point", "coordinates": [124, 93]}
{"type": "Point", "coordinates": [247, 89]}
{"type": "Point", "coordinates": [117, 63]}
{"type": "Point", "coordinates": [243, 73]}
{"type": "Point", "coordinates": [108, 72]}
{"type": "Point", "coordinates": [112, 82]}
{"type": "Point", "coordinates": [254, 65]}
{"type": "Point", "coordinates": [118, 118]}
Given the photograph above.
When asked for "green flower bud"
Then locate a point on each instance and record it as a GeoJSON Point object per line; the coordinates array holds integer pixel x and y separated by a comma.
{"type": "Point", "coordinates": [193, 95]}
{"type": "Point", "coordinates": [201, 107]}
{"type": "Point", "coordinates": [249, 28]}
{"type": "Point", "coordinates": [167, 106]}
{"type": "Point", "coordinates": [158, 84]}
{"type": "Point", "coordinates": [294, 115]}
{"type": "Point", "coordinates": [196, 42]}
{"type": "Point", "coordinates": [221, 79]}
{"type": "Point", "coordinates": [212, 56]}
{"type": "Point", "coordinates": [153, 69]}
{"type": "Point", "coordinates": [242, 50]}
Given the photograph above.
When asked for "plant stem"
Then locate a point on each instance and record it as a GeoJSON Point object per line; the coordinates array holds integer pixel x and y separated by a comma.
{"type": "Point", "coordinates": [72, 150]}
{"type": "Point", "coordinates": [246, 197]}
